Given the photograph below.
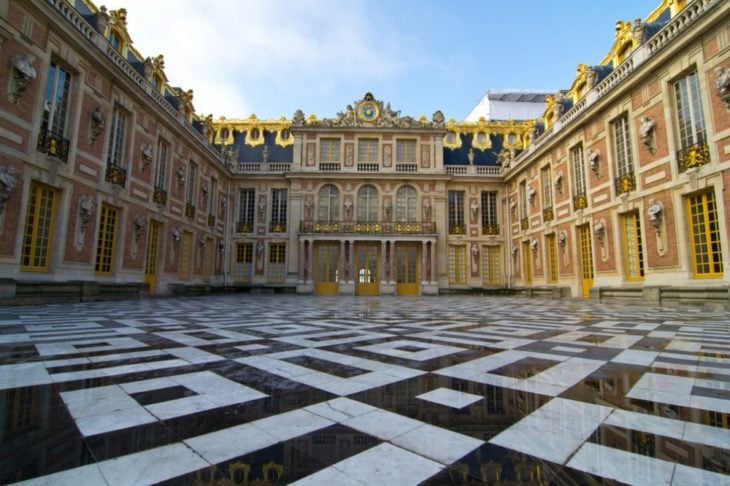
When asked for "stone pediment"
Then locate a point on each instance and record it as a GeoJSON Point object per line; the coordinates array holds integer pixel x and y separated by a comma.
{"type": "Point", "coordinates": [369, 112]}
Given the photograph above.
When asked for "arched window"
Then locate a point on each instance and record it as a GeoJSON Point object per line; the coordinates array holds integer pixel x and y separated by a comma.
{"type": "Point", "coordinates": [328, 205]}
{"type": "Point", "coordinates": [406, 205]}
{"type": "Point", "coordinates": [367, 204]}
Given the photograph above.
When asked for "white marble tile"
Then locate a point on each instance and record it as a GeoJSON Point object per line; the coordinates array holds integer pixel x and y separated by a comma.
{"type": "Point", "coordinates": [555, 430]}
{"type": "Point", "coordinates": [252, 347]}
{"type": "Point", "coordinates": [292, 424]}
{"type": "Point", "coordinates": [147, 385]}
{"type": "Point", "coordinates": [81, 346]}
{"type": "Point", "coordinates": [386, 464]}
{"type": "Point", "coordinates": [94, 401]}
{"type": "Point", "coordinates": [152, 466]}
{"type": "Point", "coordinates": [91, 425]}
{"type": "Point", "coordinates": [622, 466]}
{"type": "Point", "coordinates": [450, 398]}
{"type": "Point", "coordinates": [635, 357]}
{"type": "Point", "coordinates": [194, 355]}
{"type": "Point", "coordinates": [188, 337]}
{"type": "Point", "coordinates": [642, 422]}
{"type": "Point", "coordinates": [436, 443]}
{"type": "Point", "coordinates": [82, 475]}
{"type": "Point", "coordinates": [685, 475]}
{"type": "Point", "coordinates": [331, 338]}
{"type": "Point", "coordinates": [383, 424]}
{"type": "Point", "coordinates": [708, 403]}
{"type": "Point", "coordinates": [124, 356]}
{"type": "Point", "coordinates": [24, 374]}
{"type": "Point", "coordinates": [707, 435]}
{"type": "Point", "coordinates": [226, 444]}
{"type": "Point", "coordinates": [425, 352]}
{"type": "Point", "coordinates": [567, 349]}
{"type": "Point", "coordinates": [331, 476]}
{"type": "Point", "coordinates": [340, 409]}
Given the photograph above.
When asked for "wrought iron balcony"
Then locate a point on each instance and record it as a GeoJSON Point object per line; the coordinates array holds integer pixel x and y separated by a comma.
{"type": "Point", "coordinates": [53, 145]}
{"type": "Point", "coordinates": [277, 228]}
{"type": "Point", "coordinates": [625, 183]}
{"type": "Point", "coordinates": [693, 156]}
{"type": "Point", "coordinates": [159, 196]}
{"type": "Point", "coordinates": [116, 175]}
{"type": "Point", "coordinates": [580, 201]}
{"type": "Point", "coordinates": [457, 229]}
{"type": "Point", "coordinates": [368, 228]}
{"type": "Point", "coordinates": [189, 210]}
{"type": "Point", "coordinates": [242, 227]}
{"type": "Point", "coordinates": [548, 214]}
{"type": "Point", "coordinates": [490, 229]}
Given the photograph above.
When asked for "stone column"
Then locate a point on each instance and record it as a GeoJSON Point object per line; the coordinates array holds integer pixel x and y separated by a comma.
{"type": "Point", "coordinates": [424, 262]}
{"type": "Point", "coordinates": [393, 277]}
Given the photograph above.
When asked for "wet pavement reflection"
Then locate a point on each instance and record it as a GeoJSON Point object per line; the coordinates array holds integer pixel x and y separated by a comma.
{"type": "Point", "coordinates": [271, 389]}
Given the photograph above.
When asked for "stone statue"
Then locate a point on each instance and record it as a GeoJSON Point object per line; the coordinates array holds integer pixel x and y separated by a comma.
{"type": "Point", "coordinates": [308, 206]}
{"type": "Point", "coordinates": [438, 119]}
{"type": "Point", "coordinates": [23, 74]}
{"type": "Point", "coordinates": [86, 209]}
{"type": "Point", "coordinates": [646, 132]}
{"type": "Point", "coordinates": [7, 185]}
{"type": "Point", "coordinates": [98, 122]}
{"type": "Point", "coordinates": [265, 154]}
{"type": "Point", "coordinates": [427, 210]}
{"type": "Point", "coordinates": [722, 83]}
{"type": "Point", "coordinates": [298, 119]}
{"type": "Point", "coordinates": [470, 156]}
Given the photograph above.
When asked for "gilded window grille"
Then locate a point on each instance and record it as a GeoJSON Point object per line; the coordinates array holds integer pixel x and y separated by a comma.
{"type": "Point", "coordinates": [625, 183]}
{"type": "Point", "coordinates": [693, 156]}
{"type": "Point", "coordinates": [189, 210]}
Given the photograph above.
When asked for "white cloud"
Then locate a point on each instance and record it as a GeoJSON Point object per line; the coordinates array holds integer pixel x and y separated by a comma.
{"type": "Point", "coordinates": [222, 49]}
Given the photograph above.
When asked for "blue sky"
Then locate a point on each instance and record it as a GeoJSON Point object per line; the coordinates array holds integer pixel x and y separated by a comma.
{"type": "Point", "coordinates": [272, 57]}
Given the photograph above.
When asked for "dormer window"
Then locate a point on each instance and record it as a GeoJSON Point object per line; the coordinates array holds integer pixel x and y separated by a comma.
{"type": "Point", "coordinates": [116, 41]}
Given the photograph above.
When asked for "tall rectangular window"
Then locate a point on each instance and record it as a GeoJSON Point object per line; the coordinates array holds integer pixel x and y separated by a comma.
{"type": "Point", "coordinates": [491, 271]}
{"type": "Point", "coordinates": [52, 139]}
{"type": "Point", "coordinates": [578, 171]}
{"type": "Point", "coordinates": [633, 254]}
{"type": "Point", "coordinates": [625, 179]}
{"type": "Point", "coordinates": [547, 193]}
{"type": "Point", "coordinates": [457, 264]}
{"type": "Point", "coordinates": [524, 220]}
{"type": "Point", "coordinates": [186, 256]}
{"type": "Point", "coordinates": [490, 225]}
{"type": "Point", "coordinates": [456, 213]}
{"type": "Point", "coordinates": [38, 235]}
{"type": "Point", "coordinates": [246, 206]}
{"type": "Point", "coordinates": [163, 150]}
{"type": "Point", "coordinates": [276, 271]}
{"type": "Point", "coordinates": [552, 255]}
{"type": "Point", "coordinates": [693, 150]}
{"type": "Point", "coordinates": [192, 177]}
{"type": "Point", "coordinates": [117, 138]}
{"type": "Point", "coordinates": [405, 151]}
{"type": "Point", "coordinates": [106, 242]}
{"type": "Point", "coordinates": [278, 210]}
{"type": "Point", "coordinates": [367, 150]}
{"type": "Point", "coordinates": [213, 197]}
{"type": "Point", "coordinates": [689, 110]}
{"type": "Point", "coordinates": [329, 150]}
{"type": "Point", "coordinates": [704, 233]}
{"type": "Point", "coordinates": [244, 262]}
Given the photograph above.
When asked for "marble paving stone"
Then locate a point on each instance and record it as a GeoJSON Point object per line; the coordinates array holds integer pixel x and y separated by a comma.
{"type": "Point", "coordinates": [419, 351]}
{"type": "Point", "coordinates": [450, 398]}
{"type": "Point", "coordinates": [338, 385]}
{"type": "Point", "coordinates": [623, 466]}
{"type": "Point", "coordinates": [386, 464]}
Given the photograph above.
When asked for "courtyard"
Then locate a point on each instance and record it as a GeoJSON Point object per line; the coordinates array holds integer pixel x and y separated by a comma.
{"type": "Point", "coordinates": [258, 389]}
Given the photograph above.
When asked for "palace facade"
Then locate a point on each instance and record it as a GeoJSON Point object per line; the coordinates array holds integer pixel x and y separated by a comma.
{"type": "Point", "coordinates": [111, 184]}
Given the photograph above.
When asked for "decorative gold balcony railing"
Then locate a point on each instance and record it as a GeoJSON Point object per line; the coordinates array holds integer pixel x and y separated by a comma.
{"type": "Point", "coordinates": [159, 196]}
{"type": "Point", "coordinates": [693, 156]}
{"type": "Point", "coordinates": [548, 214]}
{"type": "Point", "coordinates": [580, 201]}
{"type": "Point", "coordinates": [189, 210]}
{"type": "Point", "coordinates": [242, 227]}
{"type": "Point", "coordinates": [525, 223]}
{"type": "Point", "coordinates": [490, 229]}
{"type": "Point", "coordinates": [457, 229]}
{"type": "Point", "coordinates": [53, 144]}
{"type": "Point", "coordinates": [277, 227]}
{"type": "Point", "coordinates": [211, 220]}
{"type": "Point", "coordinates": [368, 228]}
{"type": "Point", "coordinates": [116, 175]}
{"type": "Point", "coordinates": [625, 183]}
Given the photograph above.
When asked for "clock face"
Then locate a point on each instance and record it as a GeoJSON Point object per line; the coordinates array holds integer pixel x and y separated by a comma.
{"type": "Point", "coordinates": [367, 111]}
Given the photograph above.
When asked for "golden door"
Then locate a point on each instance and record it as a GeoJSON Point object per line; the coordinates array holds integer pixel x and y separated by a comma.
{"type": "Point", "coordinates": [367, 268]}
{"type": "Point", "coordinates": [153, 246]}
{"type": "Point", "coordinates": [586, 258]}
{"type": "Point", "coordinates": [327, 256]}
{"type": "Point", "coordinates": [406, 268]}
